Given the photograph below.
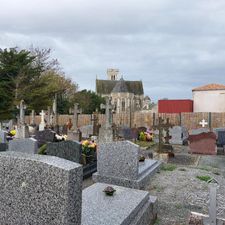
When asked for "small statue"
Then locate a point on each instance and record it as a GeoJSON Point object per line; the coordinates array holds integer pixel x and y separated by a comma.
{"type": "Point", "coordinates": [69, 124]}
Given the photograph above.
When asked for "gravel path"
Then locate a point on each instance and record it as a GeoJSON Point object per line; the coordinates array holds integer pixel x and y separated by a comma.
{"type": "Point", "coordinates": [180, 191]}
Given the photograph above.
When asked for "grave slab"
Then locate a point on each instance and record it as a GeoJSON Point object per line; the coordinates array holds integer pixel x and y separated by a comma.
{"type": "Point", "coordinates": [39, 190]}
{"type": "Point", "coordinates": [70, 150]}
{"type": "Point", "coordinates": [125, 207]}
{"type": "Point", "coordinates": [118, 163]}
{"type": "Point", "coordinates": [26, 145]}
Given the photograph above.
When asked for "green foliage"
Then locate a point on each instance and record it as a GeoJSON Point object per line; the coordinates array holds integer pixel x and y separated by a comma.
{"type": "Point", "coordinates": [168, 167]}
{"type": "Point", "coordinates": [89, 101]}
{"type": "Point", "coordinates": [142, 136]}
{"type": "Point", "coordinates": [204, 178]}
{"type": "Point", "coordinates": [34, 77]}
{"type": "Point", "coordinates": [42, 150]}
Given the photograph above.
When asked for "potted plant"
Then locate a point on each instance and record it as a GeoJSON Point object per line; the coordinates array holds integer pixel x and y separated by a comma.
{"type": "Point", "coordinates": [109, 190]}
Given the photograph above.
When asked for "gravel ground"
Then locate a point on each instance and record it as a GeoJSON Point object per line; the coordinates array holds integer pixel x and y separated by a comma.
{"type": "Point", "coordinates": [180, 191]}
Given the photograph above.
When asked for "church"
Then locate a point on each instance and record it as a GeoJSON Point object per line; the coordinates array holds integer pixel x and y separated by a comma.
{"type": "Point", "coordinates": [126, 96]}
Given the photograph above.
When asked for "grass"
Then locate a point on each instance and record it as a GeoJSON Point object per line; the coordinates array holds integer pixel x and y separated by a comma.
{"type": "Point", "coordinates": [204, 178]}
{"type": "Point", "coordinates": [156, 222]}
{"type": "Point", "coordinates": [168, 167]}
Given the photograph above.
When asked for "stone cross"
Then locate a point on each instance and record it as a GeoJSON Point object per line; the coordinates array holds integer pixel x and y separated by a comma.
{"type": "Point", "coordinates": [54, 109]}
{"type": "Point", "coordinates": [95, 119]}
{"type": "Point", "coordinates": [42, 124]}
{"type": "Point", "coordinates": [162, 126]}
{"type": "Point", "coordinates": [203, 123]}
{"type": "Point", "coordinates": [108, 112]}
{"type": "Point", "coordinates": [22, 108]}
{"type": "Point", "coordinates": [76, 111]}
{"type": "Point", "coordinates": [32, 117]}
{"type": "Point", "coordinates": [49, 122]}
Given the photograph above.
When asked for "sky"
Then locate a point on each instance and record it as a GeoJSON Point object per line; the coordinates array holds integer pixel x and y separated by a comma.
{"type": "Point", "coordinates": [173, 46]}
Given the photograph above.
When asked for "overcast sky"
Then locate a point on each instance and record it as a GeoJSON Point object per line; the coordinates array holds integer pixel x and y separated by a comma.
{"type": "Point", "coordinates": [171, 45]}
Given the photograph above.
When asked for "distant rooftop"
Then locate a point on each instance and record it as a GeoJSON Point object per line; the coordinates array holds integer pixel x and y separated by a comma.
{"type": "Point", "coordinates": [210, 87]}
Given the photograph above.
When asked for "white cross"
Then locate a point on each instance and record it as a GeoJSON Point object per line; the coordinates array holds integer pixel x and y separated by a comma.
{"type": "Point", "coordinates": [203, 123]}
{"type": "Point", "coordinates": [42, 116]}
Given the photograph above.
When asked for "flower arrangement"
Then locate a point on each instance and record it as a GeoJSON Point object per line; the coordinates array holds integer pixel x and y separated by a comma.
{"type": "Point", "coordinates": [146, 136]}
{"type": "Point", "coordinates": [88, 151]}
{"type": "Point", "coordinates": [88, 146]}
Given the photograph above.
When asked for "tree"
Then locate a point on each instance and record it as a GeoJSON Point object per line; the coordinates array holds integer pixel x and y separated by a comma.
{"type": "Point", "coordinates": [13, 63]}
{"type": "Point", "coordinates": [89, 101]}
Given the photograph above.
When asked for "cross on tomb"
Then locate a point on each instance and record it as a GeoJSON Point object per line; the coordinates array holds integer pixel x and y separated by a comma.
{"type": "Point", "coordinates": [42, 114]}
{"type": "Point", "coordinates": [163, 126]}
{"type": "Point", "coordinates": [108, 112]}
{"type": "Point", "coordinates": [203, 123]}
{"type": "Point", "coordinates": [76, 111]}
{"type": "Point", "coordinates": [22, 108]}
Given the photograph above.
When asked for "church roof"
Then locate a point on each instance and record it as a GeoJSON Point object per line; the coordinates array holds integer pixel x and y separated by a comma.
{"type": "Point", "coordinates": [107, 86]}
{"type": "Point", "coordinates": [210, 87]}
{"type": "Point", "coordinates": [120, 87]}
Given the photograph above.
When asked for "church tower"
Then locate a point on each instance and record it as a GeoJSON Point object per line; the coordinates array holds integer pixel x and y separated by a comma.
{"type": "Point", "coordinates": [112, 74]}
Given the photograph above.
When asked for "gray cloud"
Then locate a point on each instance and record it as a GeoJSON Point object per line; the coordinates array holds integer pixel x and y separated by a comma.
{"type": "Point", "coordinates": [171, 45]}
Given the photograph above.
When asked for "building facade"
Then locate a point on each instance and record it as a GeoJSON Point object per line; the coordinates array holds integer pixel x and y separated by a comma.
{"type": "Point", "coordinates": [209, 98]}
{"type": "Point", "coordinates": [126, 96]}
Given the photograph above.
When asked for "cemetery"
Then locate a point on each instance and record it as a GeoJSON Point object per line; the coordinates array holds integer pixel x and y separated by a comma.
{"type": "Point", "coordinates": [114, 165]}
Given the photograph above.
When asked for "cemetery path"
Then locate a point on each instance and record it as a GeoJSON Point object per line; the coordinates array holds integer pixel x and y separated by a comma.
{"type": "Point", "coordinates": [180, 191]}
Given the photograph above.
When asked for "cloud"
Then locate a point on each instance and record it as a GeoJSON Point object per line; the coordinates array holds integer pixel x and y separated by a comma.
{"type": "Point", "coordinates": [171, 45]}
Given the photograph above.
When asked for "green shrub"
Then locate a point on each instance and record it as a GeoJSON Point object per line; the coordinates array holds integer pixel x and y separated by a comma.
{"type": "Point", "coordinates": [42, 150]}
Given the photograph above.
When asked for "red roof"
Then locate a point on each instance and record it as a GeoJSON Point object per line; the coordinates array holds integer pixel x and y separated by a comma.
{"type": "Point", "coordinates": [210, 87]}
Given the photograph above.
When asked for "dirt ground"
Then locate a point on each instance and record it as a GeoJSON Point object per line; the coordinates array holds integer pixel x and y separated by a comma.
{"type": "Point", "coordinates": [178, 189]}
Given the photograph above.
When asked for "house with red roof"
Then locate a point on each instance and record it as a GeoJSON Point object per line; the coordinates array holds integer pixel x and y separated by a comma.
{"type": "Point", "coordinates": [209, 98]}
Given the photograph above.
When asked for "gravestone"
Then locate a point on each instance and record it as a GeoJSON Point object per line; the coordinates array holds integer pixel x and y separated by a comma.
{"type": "Point", "coordinates": [125, 132]}
{"type": "Point", "coordinates": [26, 145]}
{"type": "Point", "coordinates": [106, 131]}
{"type": "Point", "coordinates": [126, 207]}
{"type": "Point", "coordinates": [179, 135]}
{"type": "Point", "coordinates": [45, 136]}
{"type": "Point", "coordinates": [3, 135]}
{"type": "Point", "coordinates": [199, 131]}
{"type": "Point", "coordinates": [220, 134]}
{"type": "Point", "coordinates": [96, 125]}
{"type": "Point", "coordinates": [70, 150]}
{"type": "Point", "coordinates": [3, 147]}
{"type": "Point", "coordinates": [39, 190]}
{"type": "Point", "coordinates": [86, 131]}
{"type": "Point", "coordinates": [118, 163]}
{"type": "Point", "coordinates": [22, 130]}
{"type": "Point", "coordinates": [204, 143]}
{"type": "Point", "coordinates": [75, 133]}
{"type": "Point", "coordinates": [163, 134]}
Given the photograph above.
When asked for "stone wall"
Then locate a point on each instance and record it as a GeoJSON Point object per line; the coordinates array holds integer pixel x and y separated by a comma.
{"type": "Point", "coordinates": [139, 119]}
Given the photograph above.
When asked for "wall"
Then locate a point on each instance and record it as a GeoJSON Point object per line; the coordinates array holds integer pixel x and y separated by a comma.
{"type": "Point", "coordinates": [209, 101]}
{"type": "Point", "coordinates": [139, 119]}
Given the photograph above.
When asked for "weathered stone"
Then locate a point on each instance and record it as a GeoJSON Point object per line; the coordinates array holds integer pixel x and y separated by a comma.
{"type": "Point", "coordinates": [3, 147]}
{"type": "Point", "coordinates": [204, 143]}
{"type": "Point", "coordinates": [118, 163]}
{"type": "Point", "coordinates": [3, 135]}
{"type": "Point", "coordinates": [125, 207]}
{"type": "Point", "coordinates": [70, 150]}
{"type": "Point", "coordinates": [39, 190]}
{"type": "Point", "coordinates": [22, 131]}
{"type": "Point", "coordinates": [199, 131]}
{"type": "Point", "coordinates": [45, 136]}
{"type": "Point", "coordinates": [26, 145]}
{"type": "Point", "coordinates": [74, 135]}
{"type": "Point", "coordinates": [105, 135]}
